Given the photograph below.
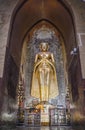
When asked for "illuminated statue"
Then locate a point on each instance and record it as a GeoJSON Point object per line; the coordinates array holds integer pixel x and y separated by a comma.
{"type": "Point", "coordinates": [44, 80]}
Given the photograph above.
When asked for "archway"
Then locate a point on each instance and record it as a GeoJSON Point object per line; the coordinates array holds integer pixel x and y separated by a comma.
{"type": "Point", "coordinates": [43, 11]}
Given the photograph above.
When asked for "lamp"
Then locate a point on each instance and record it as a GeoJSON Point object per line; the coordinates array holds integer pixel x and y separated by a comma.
{"type": "Point", "coordinates": [74, 51]}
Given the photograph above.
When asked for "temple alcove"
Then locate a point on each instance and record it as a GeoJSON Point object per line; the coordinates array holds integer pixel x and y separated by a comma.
{"type": "Point", "coordinates": [43, 32]}
{"type": "Point", "coordinates": [22, 52]}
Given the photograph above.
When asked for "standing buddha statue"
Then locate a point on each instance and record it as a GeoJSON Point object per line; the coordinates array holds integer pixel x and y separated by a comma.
{"type": "Point", "coordinates": [44, 79]}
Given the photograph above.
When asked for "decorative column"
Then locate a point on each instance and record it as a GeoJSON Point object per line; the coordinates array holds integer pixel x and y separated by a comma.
{"type": "Point", "coordinates": [20, 98]}
{"type": "Point", "coordinates": [68, 115]}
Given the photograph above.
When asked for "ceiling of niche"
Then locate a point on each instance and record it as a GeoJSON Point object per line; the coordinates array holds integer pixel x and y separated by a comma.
{"type": "Point", "coordinates": [30, 13]}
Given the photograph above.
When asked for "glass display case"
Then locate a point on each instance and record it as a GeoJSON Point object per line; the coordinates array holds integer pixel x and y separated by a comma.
{"type": "Point", "coordinates": [32, 117]}
{"type": "Point", "coordinates": [57, 116]}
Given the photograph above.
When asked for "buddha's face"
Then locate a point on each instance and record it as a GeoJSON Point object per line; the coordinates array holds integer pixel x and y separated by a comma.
{"type": "Point", "coordinates": [44, 46]}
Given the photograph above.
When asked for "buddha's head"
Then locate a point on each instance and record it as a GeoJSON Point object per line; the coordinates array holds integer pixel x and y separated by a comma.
{"type": "Point", "coordinates": [44, 46]}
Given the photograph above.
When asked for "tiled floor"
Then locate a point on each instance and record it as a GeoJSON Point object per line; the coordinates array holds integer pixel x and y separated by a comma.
{"type": "Point", "coordinates": [44, 128]}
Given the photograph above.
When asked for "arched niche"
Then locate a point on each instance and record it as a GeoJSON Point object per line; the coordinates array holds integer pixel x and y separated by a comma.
{"type": "Point", "coordinates": [44, 32]}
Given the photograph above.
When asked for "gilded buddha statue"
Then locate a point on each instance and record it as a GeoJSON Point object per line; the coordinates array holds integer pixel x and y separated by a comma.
{"type": "Point", "coordinates": [44, 79]}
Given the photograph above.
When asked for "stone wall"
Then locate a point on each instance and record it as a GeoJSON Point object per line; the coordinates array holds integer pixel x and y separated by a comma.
{"type": "Point", "coordinates": [6, 10]}
{"type": "Point", "coordinates": [78, 9]}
